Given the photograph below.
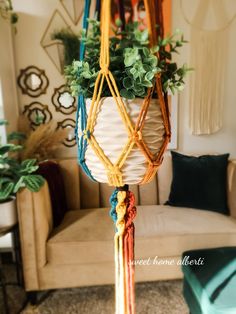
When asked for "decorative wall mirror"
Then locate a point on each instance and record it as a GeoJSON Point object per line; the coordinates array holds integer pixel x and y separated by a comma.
{"type": "Point", "coordinates": [37, 114]}
{"type": "Point", "coordinates": [63, 101]}
{"type": "Point", "coordinates": [70, 141]}
{"type": "Point", "coordinates": [33, 81]}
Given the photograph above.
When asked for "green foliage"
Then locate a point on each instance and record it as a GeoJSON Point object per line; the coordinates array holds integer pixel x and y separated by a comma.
{"type": "Point", "coordinates": [133, 63]}
{"type": "Point", "coordinates": [71, 45]}
{"type": "Point", "coordinates": [15, 174]}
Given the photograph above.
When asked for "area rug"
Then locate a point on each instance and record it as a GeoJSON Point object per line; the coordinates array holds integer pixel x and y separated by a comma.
{"type": "Point", "coordinates": [161, 297]}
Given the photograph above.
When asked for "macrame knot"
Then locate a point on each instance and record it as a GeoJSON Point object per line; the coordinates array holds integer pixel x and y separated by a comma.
{"type": "Point", "coordinates": [104, 69]}
{"type": "Point", "coordinates": [114, 176]}
{"type": "Point", "coordinates": [131, 210]}
{"type": "Point", "coordinates": [136, 136]}
{"type": "Point", "coordinates": [86, 134]}
{"type": "Point", "coordinates": [156, 163]}
{"type": "Point", "coordinates": [114, 170]}
{"type": "Point", "coordinates": [120, 211]}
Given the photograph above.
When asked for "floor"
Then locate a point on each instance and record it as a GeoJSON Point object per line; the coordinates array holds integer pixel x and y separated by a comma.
{"type": "Point", "coordinates": [163, 297]}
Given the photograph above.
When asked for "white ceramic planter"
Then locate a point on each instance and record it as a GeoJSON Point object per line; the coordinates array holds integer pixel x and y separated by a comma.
{"type": "Point", "coordinates": [111, 135]}
{"type": "Point", "coordinates": [8, 213]}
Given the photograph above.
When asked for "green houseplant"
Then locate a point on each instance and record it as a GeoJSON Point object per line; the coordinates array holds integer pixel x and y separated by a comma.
{"type": "Point", "coordinates": [14, 175]}
{"type": "Point", "coordinates": [132, 62]}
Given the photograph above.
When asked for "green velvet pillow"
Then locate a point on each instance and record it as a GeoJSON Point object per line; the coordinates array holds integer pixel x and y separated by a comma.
{"type": "Point", "coordinates": [199, 182]}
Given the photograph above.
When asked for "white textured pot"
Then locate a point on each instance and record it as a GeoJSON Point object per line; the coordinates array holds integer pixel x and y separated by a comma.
{"type": "Point", "coordinates": [8, 213]}
{"type": "Point", "coordinates": [111, 135]}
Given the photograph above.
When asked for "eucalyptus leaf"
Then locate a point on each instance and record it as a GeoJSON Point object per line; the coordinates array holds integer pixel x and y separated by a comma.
{"type": "Point", "coordinates": [133, 62]}
{"type": "Point", "coordinates": [128, 82]}
{"type": "Point", "coordinates": [127, 94]}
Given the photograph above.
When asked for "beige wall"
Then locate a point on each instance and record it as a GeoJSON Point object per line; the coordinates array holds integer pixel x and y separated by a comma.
{"type": "Point", "coordinates": [224, 140]}
{"type": "Point", "coordinates": [8, 101]}
{"type": "Point", "coordinates": [34, 17]}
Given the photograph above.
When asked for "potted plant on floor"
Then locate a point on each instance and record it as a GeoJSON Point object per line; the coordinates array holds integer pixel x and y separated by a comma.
{"type": "Point", "coordinates": [134, 66]}
{"type": "Point", "coordinates": [14, 175]}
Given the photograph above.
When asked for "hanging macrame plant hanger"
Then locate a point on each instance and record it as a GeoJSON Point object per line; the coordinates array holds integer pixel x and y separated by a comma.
{"type": "Point", "coordinates": [91, 150]}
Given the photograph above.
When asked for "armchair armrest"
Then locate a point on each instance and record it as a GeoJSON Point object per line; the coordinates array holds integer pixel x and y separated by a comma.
{"type": "Point", "coordinates": [231, 187]}
{"type": "Point", "coordinates": [35, 225]}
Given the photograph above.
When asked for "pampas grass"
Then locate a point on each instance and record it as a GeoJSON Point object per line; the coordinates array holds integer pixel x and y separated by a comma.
{"type": "Point", "coordinates": [43, 142]}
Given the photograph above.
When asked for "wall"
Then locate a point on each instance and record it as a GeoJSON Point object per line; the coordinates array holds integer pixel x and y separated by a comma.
{"type": "Point", "coordinates": [8, 98]}
{"type": "Point", "coordinates": [224, 140]}
{"type": "Point", "coordinates": [34, 17]}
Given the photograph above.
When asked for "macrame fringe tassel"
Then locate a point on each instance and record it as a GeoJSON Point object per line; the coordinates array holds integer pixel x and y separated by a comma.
{"type": "Point", "coordinates": [207, 82]}
{"type": "Point", "coordinates": [123, 212]}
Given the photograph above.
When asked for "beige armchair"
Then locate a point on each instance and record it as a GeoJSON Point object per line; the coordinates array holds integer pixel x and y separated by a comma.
{"type": "Point", "coordinates": [79, 252]}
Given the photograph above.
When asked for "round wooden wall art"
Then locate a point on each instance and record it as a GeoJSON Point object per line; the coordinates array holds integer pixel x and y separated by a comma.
{"type": "Point", "coordinates": [63, 101]}
{"type": "Point", "coordinates": [37, 114]}
{"type": "Point", "coordinates": [70, 141]}
{"type": "Point", "coordinates": [33, 81]}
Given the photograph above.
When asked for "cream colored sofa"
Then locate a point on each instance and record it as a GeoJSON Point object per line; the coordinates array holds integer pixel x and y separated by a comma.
{"type": "Point", "coordinates": [80, 251]}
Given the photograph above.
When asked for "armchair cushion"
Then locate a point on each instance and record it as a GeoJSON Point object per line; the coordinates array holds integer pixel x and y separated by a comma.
{"type": "Point", "coordinates": [51, 171]}
{"type": "Point", "coordinates": [199, 182]}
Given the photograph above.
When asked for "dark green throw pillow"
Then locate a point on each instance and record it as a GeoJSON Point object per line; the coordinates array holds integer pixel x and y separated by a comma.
{"type": "Point", "coordinates": [199, 182]}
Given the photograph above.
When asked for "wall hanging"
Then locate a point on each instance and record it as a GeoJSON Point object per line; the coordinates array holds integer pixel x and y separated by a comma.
{"type": "Point", "coordinates": [63, 101]}
{"type": "Point", "coordinates": [37, 113]}
{"type": "Point", "coordinates": [33, 81]}
{"type": "Point", "coordinates": [74, 9]}
{"type": "Point", "coordinates": [209, 42]}
{"type": "Point", "coordinates": [122, 120]}
{"type": "Point", "coordinates": [68, 124]}
{"type": "Point", "coordinates": [173, 109]}
{"type": "Point", "coordinates": [54, 48]}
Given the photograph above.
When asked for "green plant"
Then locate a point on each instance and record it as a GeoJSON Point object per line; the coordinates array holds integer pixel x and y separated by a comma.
{"type": "Point", "coordinates": [132, 62]}
{"type": "Point", "coordinates": [6, 11]}
{"type": "Point", "coordinates": [71, 44]}
{"type": "Point", "coordinates": [15, 174]}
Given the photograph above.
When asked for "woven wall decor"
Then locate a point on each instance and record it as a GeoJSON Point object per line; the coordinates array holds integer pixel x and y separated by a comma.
{"type": "Point", "coordinates": [209, 42]}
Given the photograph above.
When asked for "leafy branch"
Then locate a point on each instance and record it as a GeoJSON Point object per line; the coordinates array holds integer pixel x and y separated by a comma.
{"type": "Point", "coordinates": [133, 63]}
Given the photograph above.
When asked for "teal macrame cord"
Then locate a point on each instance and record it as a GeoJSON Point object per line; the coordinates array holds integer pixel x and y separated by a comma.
{"type": "Point", "coordinates": [113, 202]}
{"type": "Point", "coordinates": [81, 110]}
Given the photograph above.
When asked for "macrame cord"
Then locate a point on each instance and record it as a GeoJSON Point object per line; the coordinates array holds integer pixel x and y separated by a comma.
{"type": "Point", "coordinates": [122, 200]}
{"type": "Point", "coordinates": [81, 114]}
{"type": "Point", "coordinates": [208, 58]}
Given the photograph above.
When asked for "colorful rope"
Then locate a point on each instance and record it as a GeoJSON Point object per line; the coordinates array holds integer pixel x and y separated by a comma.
{"type": "Point", "coordinates": [129, 252]}
{"type": "Point", "coordinates": [81, 114]}
{"type": "Point", "coordinates": [123, 212]}
{"type": "Point", "coordinates": [113, 202]}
